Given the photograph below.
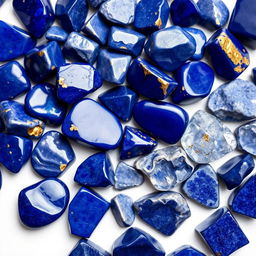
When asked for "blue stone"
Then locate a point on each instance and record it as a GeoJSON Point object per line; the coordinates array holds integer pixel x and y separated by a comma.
{"type": "Point", "coordinates": [169, 48]}
{"type": "Point", "coordinates": [113, 66]}
{"type": "Point", "coordinates": [13, 80]}
{"type": "Point", "coordinates": [254, 75]}
{"type": "Point", "coordinates": [75, 81]}
{"type": "Point", "coordinates": [137, 242]}
{"type": "Point", "coordinates": [42, 61]}
{"type": "Point", "coordinates": [85, 212]}
{"type": "Point", "coordinates": [91, 123]}
{"type": "Point", "coordinates": [43, 203]}
{"type": "Point", "coordinates": [195, 80]}
{"type": "Point", "coordinates": [163, 120]}
{"type": "Point", "coordinates": [96, 3]}
{"type": "Point", "coordinates": [186, 250]}
{"type": "Point", "coordinates": [222, 233]}
{"type": "Point", "coordinates": [95, 171]}
{"type": "Point", "coordinates": [1, 179]}
{"type": "Point", "coordinates": [14, 151]}
{"type": "Point", "coordinates": [56, 33]}
{"type": "Point", "coordinates": [229, 57]}
{"type": "Point", "coordinates": [164, 211]}
{"type": "Point", "coordinates": [203, 186]}
{"type": "Point", "coordinates": [120, 100]}
{"type": "Point", "coordinates": [150, 81]}
{"type": "Point", "coordinates": [1, 2]}
{"type": "Point", "coordinates": [2, 128]}
{"type": "Point", "coordinates": [19, 42]}
{"type": "Point", "coordinates": [52, 155]}
{"type": "Point", "coordinates": [36, 15]}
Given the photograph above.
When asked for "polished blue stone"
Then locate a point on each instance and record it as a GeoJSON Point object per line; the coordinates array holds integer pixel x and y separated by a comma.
{"type": "Point", "coordinates": [77, 80]}
{"type": "Point", "coordinates": [222, 233]}
{"type": "Point", "coordinates": [163, 120]}
{"type": "Point", "coordinates": [43, 203]}
{"type": "Point", "coordinates": [19, 42]}
{"type": "Point", "coordinates": [137, 242]}
{"type": "Point", "coordinates": [14, 151]}
{"type": "Point", "coordinates": [85, 212]}
{"type": "Point", "coordinates": [91, 123]}
{"type": "Point", "coordinates": [95, 171]}
{"type": "Point", "coordinates": [150, 81]}
{"type": "Point", "coordinates": [186, 250]}
{"type": "Point", "coordinates": [195, 80]}
{"type": "Point", "coordinates": [56, 33]}
{"type": "Point", "coordinates": [120, 100]}
{"type": "Point", "coordinates": [96, 3]}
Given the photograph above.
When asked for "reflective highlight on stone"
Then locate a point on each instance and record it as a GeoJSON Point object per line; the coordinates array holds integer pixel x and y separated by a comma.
{"type": "Point", "coordinates": [56, 33]}
{"type": "Point", "coordinates": [186, 250]}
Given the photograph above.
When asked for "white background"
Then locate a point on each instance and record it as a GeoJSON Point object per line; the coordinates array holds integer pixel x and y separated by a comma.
{"type": "Point", "coordinates": [55, 239]}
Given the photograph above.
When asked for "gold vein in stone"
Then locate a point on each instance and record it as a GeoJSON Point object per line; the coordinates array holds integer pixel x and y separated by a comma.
{"type": "Point", "coordinates": [73, 128]}
{"type": "Point", "coordinates": [158, 22]}
{"type": "Point", "coordinates": [145, 70]}
{"type": "Point", "coordinates": [35, 131]}
{"type": "Point", "coordinates": [164, 85]}
{"type": "Point", "coordinates": [63, 167]}
{"type": "Point", "coordinates": [62, 83]}
{"type": "Point", "coordinates": [206, 137]}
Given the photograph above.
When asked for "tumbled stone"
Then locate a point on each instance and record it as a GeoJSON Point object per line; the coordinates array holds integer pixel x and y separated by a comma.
{"type": "Point", "coordinates": [186, 250]}
{"type": "Point", "coordinates": [56, 33]}
{"type": "Point", "coordinates": [96, 3]}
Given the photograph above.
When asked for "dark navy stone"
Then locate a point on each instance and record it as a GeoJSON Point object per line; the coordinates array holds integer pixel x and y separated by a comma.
{"type": "Point", "coordinates": [56, 33]}
{"type": "Point", "coordinates": [96, 3]}
{"type": "Point", "coordinates": [1, 179]}
{"type": "Point", "coordinates": [150, 81]}
{"type": "Point", "coordinates": [85, 212]}
{"type": "Point", "coordinates": [222, 233]}
{"type": "Point", "coordinates": [2, 128]}
{"type": "Point", "coordinates": [95, 171]}
{"type": "Point", "coordinates": [91, 123]}
{"type": "Point", "coordinates": [163, 120]}
{"type": "Point", "coordinates": [43, 203]}
{"type": "Point", "coordinates": [195, 80]}
{"type": "Point", "coordinates": [254, 75]}
{"type": "Point", "coordinates": [137, 242]}
{"type": "Point", "coordinates": [186, 250]}
{"type": "Point", "coordinates": [14, 151]}
{"type": "Point", "coordinates": [75, 81]}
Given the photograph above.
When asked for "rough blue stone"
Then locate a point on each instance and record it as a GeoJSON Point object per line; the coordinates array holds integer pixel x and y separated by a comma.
{"type": "Point", "coordinates": [43, 203]}
{"type": "Point", "coordinates": [164, 211]}
{"type": "Point", "coordinates": [222, 233]}
{"type": "Point", "coordinates": [95, 171]}
{"type": "Point", "coordinates": [56, 33]}
{"type": "Point", "coordinates": [96, 3]}
{"type": "Point", "coordinates": [150, 81]}
{"type": "Point", "coordinates": [75, 81]}
{"type": "Point", "coordinates": [85, 212]}
{"type": "Point", "coordinates": [186, 250]}
{"type": "Point", "coordinates": [91, 123]}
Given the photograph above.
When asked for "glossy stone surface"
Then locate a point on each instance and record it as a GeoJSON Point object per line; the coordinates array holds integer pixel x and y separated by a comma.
{"type": "Point", "coordinates": [43, 203]}
{"type": "Point", "coordinates": [91, 123]}
{"type": "Point", "coordinates": [195, 80]}
{"type": "Point", "coordinates": [164, 211]}
{"type": "Point", "coordinates": [207, 139]}
{"type": "Point", "coordinates": [229, 57]}
{"type": "Point", "coordinates": [222, 233]}
{"type": "Point", "coordinates": [36, 15]}
{"type": "Point", "coordinates": [163, 120]}
{"type": "Point", "coordinates": [77, 80]}
{"type": "Point", "coordinates": [85, 212]}
{"type": "Point", "coordinates": [186, 250]}
{"type": "Point", "coordinates": [96, 3]}
{"type": "Point", "coordinates": [150, 81]}
{"type": "Point", "coordinates": [56, 33]}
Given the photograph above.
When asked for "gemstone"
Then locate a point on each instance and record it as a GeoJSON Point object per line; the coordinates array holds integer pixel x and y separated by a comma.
{"type": "Point", "coordinates": [85, 212]}
{"type": "Point", "coordinates": [56, 33]}
{"type": "Point", "coordinates": [207, 139]}
{"type": "Point", "coordinates": [203, 186]}
{"type": "Point", "coordinates": [96, 3]}
{"type": "Point", "coordinates": [222, 233]}
{"type": "Point", "coordinates": [75, 81]}
{"type": "Point", "coordinates": [150, 81]}
{"type": "Point", "coordinates": [164, 211]}
{"type": "Point", "coordinates": [195, 80]}
{"type": "Point", "coordinates": [186, 250]}
{"type": "Point", "coordinates": [91, 123]}
{"type": "Point", "coordinates": [42, 203]}
{"type": "Point", "coordinates": [163, 120]}
{"type": "Point", "coordinates": [137, 242]}
{"type": "Point", "coordinates": [14, 151]}
{"type": "Point", "coordinates": [169, 48]}
{"type": "Point", "coordinates": [52, 155]}
{"type": "Point", "coordinates": [95, 171]}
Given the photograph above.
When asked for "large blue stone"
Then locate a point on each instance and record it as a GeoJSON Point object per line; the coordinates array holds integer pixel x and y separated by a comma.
{"type": "Point", "coordinates": [56, 33]}
{"type": "Point", "coordinates": [186, 250]}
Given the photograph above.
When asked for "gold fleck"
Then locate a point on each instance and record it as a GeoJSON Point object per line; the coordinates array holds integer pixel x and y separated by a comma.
{"type": "Point", "coordinates": [158, 22]}
{"type": "Point", "coordinates": [63, 167]}
{"type": "Point", "coordinates": [183, 88]}
{"type": "Point", "coordinates": [35, 131]}
{"type": "Point", "coordinates": [217, 21]}
{"type": "Point", "coordinates": [7, 110]}
{"type": "Point", "coordinates": [145, 70]}
{"type": "Point", "coordinates": [62, 83]}
{"type": "Point", "coordinates": [123, 47]}
{"type": "Point", "coordinates": [164, 85]}
{"type": "Point", "coordinates": [40, 53]}
{"type": "Point", "coordinates": [73, 128]}
{"type": "Point", "coordinates": [53, 68]}
{"type": "Point", "coordinates": [206, 137]}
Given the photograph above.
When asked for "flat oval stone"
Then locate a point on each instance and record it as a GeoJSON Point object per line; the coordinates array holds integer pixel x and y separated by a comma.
{"type": "Point", "coordinates": [56, 33]}
{"type": "Point", "coordinates": [43, 203]}
{"type": "Point", "coordinates": [91, 123]}
{"type": "Point", "coordinates": [186, 250]}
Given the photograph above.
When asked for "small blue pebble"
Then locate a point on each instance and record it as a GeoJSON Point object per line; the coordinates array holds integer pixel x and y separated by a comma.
{"type": "Point", "coordinates": [186, 250]}
{"type": "Point", "coordinates": [96, 3]}
{"type": "Point", "coordinates": [56, 33]}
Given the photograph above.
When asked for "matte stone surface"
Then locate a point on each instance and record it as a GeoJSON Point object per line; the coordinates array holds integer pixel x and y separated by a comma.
{"type": "Point", "coordinates": [186, 250]}
{"type": "Point", "coordinates": [56, 33]}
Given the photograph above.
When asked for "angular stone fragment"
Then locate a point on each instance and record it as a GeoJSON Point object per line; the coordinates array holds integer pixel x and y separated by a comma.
{"type": "Point", "coordinates": [56, 33]}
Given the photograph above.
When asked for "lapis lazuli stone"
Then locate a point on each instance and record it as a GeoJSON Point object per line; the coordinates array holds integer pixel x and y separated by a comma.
{"type": "Point", "coordinates": [43, 203]}
{"type": "Point", "coordinates": [195, 80]}
{"type": "Point", "coordinates": [95, 171]}
{"type": "Point", "coordinates": [19, 42]}
{"type": "Point", "coordinates": [14, 151]}
{"type": "Point", "coordinates": [229, 57]}
{"type": "Point", "coordinates": [56, 33]}
{"type": "Point", "coordinates": [75, 81]}
{"type": "Point", "coordinates": [222, 233]}
{"type": "Point", "coordinates": [96, 3]}
{"type": "Point", "coordinates": [85, 212]}
{"type": "Point", "coordinates": [150, 81]}
{"type": "Point", "coordinates": [137, 242]}
{"type": "Point", "coordinates": [164, 211]}
{"type": "Point", "coordinates": [203, 186]}
{"type": "Point", "coordinates": [91, 123]}
{"type": "Point", "coordinates": [186, 250]}
{"type": "Point", "coordinates": [254, 75]}
{"type": "Point", "coordinates": [163, 120]}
